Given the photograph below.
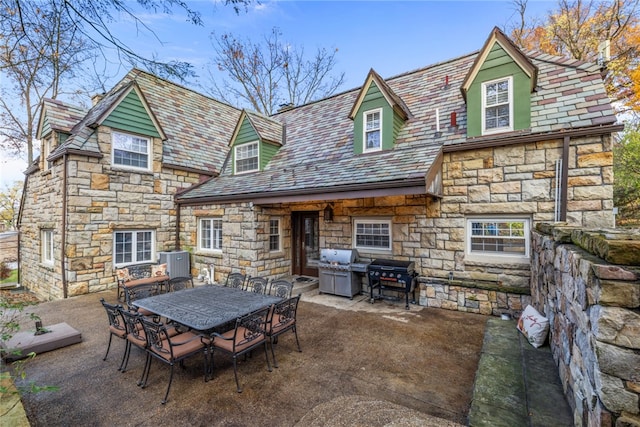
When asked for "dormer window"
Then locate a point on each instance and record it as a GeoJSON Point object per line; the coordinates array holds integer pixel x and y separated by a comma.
{"type": "Point", "coordinates": [372, 130]}
{"type": "Point", "coordinates": [497, 108]}
{"type": "Point", "coordinates": [246, 158]}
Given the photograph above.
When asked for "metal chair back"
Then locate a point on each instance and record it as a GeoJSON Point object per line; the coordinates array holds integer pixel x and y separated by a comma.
{"type": "Point", "coordinates": [235, 280]}
{"type": "Point", "coordinates": [258, 285]}
{"type": "Point", "coordinates": [281, 288]}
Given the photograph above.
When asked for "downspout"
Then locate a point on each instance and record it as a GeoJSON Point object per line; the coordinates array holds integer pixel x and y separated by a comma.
{"type": "Point", "coordinates": [64, 226]}
{"type": "Point", "coordinates": [565, 179]}
{"type": "Point", "coordinates": [177, 226]}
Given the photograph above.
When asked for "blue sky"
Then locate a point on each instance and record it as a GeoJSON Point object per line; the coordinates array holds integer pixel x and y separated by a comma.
{"type": "Point", "coordinates": [392, 37]}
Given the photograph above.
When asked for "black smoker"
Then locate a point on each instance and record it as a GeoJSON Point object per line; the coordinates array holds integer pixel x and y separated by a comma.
{"type": "Point", "coordinates": [388, 274]}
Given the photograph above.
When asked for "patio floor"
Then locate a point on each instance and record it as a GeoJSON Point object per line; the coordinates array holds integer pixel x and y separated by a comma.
{"type": "Point", "coordinates": [362, 364]}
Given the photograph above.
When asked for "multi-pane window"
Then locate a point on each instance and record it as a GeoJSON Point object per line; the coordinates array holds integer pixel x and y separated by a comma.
{"type": "Point", "coordinates": [210, 234]}
{"type": "Point", "coordinates": [274, 234]}
{"type": "Point", "coordinates": [372, 130]}
{"type": "Point", "coordinates": [497, 105]}
{"type": "Point", "coordinates": [133, 247]}
{"type": "Point", "coordinates": [46, 242]}
{"type": "Point", "coordinates": [246, 156]}
{"type": "Point", "coordinates": [502, 237]}
{"type": "Point", "coordinates": [130, 151]}
{"type": "Point", "coordinates": [372, 234]}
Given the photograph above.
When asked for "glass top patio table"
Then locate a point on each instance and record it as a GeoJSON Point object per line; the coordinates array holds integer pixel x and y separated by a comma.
{"type": "Point", "coordinates": [206, 307]}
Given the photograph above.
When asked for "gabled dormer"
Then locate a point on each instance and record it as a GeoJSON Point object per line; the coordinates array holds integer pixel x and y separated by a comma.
{"type": "Point", "coordinates": [378, 114]}
{"type": "Point", "coordinates": [255, 140]}
{"type": "Point", "coordinates": [133, 127]}
{"type": "Point", "coordinates": [57, 119]}
{"type": "Point", "coordinates": [498, 88]}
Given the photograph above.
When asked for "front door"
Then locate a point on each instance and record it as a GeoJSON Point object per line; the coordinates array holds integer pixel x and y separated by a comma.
{"type": "Point", "coordinates": [306, 243]}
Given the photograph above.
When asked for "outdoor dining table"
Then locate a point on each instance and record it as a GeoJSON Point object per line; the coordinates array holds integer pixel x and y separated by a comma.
{"type": "Point", "coordinates": [204, 308]}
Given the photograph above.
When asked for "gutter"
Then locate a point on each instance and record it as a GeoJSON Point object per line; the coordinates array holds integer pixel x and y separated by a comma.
{"type": "Point", "coordinates": [476, 144]}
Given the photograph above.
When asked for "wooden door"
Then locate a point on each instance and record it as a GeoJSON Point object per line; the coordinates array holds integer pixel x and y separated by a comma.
{"type": "Point", "coordinates": [306, 243]}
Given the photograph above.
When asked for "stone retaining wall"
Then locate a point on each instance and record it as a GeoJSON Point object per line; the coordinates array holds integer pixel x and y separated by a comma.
{"type": "Point", "coordinates": [588, 284]}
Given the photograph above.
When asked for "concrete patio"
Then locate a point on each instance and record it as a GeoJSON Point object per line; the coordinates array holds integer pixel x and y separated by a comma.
{"type": "Point", "coordinates": [362, 364]}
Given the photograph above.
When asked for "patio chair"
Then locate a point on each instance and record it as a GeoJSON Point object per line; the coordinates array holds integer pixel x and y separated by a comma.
{"type": "Point", "coordinates": [248, 334]}
{"type": "Point", "coordinates": [179, 283]}
{"type": "Point", "coordinates": [281, 320]}
{"type": "Point", "coordinates": [117, 327]}
{"type": "Point", "coordinates": [281, 288]}
{"type": "Point", "coordinates": [135, 337]}
{"type": "Point", "coordinates": [258, 285]}
{"type": "Point", "coordinates": [133, 293]}
{"type": "Point", "coordinates": [172, 349]}
{"type": "Point", "coordinates": [235, 280]}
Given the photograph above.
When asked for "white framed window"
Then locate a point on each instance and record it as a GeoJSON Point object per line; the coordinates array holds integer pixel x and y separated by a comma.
{"type": "Point", "coordinates": [246, 157]}
{"type": "Point", "coordinates": [130, 151]}
{"type": "Point", "coordinates": [372, 128]}
{"type": "Point", "coordinates": [210, 234]}
{"type": "Point", "coordinates": [275, 235]}
{"type": "Point", "coordinates": [133, 247]}
{"type": "Point", "coordinates": [46, 246]}
{"type": "Point", "coordinates": [372, 234]}
{"type": "Point", "coordinates": [501, 238]}
{"type": "Point", "coordinates": [497, 105]}
{"type": "Point", "coordinates": [47, 148]}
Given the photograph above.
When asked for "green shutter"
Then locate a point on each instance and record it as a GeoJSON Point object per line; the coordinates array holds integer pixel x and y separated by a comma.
{"type": "Point", "coordinates": [499, 64]}
{"type": "Point", "coordinates": [131, 116]}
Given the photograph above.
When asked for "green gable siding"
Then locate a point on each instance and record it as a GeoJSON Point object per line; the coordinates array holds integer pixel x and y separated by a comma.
{"type": "Point", "coordinates": [131, 116]}
{"type": "Point", "coordinates": [247, 134]}
{"type": "Point", "coordinates": [372, 101]}
{"type": "Point", "coordinates": [499, 64]}
{"type": "Point", "coordinates": [46, 127]}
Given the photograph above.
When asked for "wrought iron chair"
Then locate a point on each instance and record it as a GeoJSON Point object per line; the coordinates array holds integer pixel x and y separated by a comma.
{"type": "Point", "coordinates": [235, 280]}
{"type": "Point", "coordinates": [258, 285]}
{"type": "Point", "coordinates": [179, 283]}
{"type": "Point", "coordinates": [282, 319]}
{"type": "Point", "coordinates": [133, 293]}
{"type": "Point", "coordinates": [117, 327]}
{"type": "Point", "coordinates": [248, 334]}
{"type": "Point", "coordinates": [135, 337]}
{"type": "Point", "coordinates": [281, 288]}
{"type": "Point", "coordinates": [172, 349]}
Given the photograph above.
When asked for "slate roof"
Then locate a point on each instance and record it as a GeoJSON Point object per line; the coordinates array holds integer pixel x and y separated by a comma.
{"type": "Point", "coordinates": [197, 127]}
{"type": "Point", "coordinates": [318, 154]}
{"type": "Point", "coordinates": [268, 130]}
{"type": "Point", "coordinates": [62, 116]}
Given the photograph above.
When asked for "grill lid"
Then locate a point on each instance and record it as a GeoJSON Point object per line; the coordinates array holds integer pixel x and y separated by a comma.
{"type": "Point", "coordinates": [338, 256]}
{"type": "Point", "coordinates": [389, 264]}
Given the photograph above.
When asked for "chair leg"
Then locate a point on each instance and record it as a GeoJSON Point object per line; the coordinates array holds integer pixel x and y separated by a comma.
{"type": "Point", "coordinates": [273, 354]}
{"type": "Point", "coordinates": [145, 372]}
{"type": "Point", "coordinates": [166, 395]}
{"type": "Point", "coordinates": [108, 347]}
{"type": "Point", "coordinates": [295, 331]}
{"type": "Point", "coordinates": [125, 354]}
{"type": "Point", "coordinates": [266, 355]}
{"type": "Point", "coordinates": [235, 373]}
{"type": "Point", "coordinates": [125, 359]}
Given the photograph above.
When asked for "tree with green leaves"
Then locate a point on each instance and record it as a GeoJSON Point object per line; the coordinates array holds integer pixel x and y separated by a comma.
{"type": "Point", "coordinates": [626, 169]}
{"type": "Point", "coordinates": [10, 204]}
{"type": "Point", "coordinates": [265, 76]}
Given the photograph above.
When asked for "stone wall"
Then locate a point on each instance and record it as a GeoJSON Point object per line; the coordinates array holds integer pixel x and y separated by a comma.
{"type": "Point", "coordinates": [100, 199]}
{"type": "Point", "coordinates": [588, 284]}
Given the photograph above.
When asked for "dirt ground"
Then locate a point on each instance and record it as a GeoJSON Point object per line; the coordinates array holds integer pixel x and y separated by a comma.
{"type": "Point", "coordinates": [365, 364]}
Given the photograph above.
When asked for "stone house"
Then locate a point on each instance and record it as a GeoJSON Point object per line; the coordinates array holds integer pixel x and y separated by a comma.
{"type": "Point", "coordinates": [449, 166]}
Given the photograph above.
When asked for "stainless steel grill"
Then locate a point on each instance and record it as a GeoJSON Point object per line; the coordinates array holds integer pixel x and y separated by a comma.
{"type": "Point", "coordinates": [336, 273]}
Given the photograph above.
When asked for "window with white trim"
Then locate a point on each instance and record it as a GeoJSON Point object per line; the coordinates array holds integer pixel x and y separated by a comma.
{"type": "Point", "coordinates": [274, 235]}
{"type": "Point", "coordinates": [46, 249]}
{"type": "Point", "coordinates": [497, 105]}
{"type": "Point", "coordinates": [133, 247]}
{"type": "Point", "coordinates": [246, 157]}
{"type": "Point", "coordinates": [372, 234]}
{"type": "Point", "coordinates": [210, 234]}
{"type": "Point", "coordinates": [47, 148]}
{"type": "Point", "coordinates": [372, 127]}
{"type": "Point", "coordinates": [130, 151]}
{"type": "Point", "coordinates": [498, 237]}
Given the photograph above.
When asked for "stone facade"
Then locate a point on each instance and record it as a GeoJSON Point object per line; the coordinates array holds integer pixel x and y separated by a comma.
{"type": "Point", "coordinates": [99, 200]}
{"type": "Point", "coordinates": [588, 284]}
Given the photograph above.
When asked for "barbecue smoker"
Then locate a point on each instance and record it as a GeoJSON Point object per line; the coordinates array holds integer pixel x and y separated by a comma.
{"type": "Point", "coordinates": [337, 272]}
{"type": "Point", "coordinates": [388, 274]}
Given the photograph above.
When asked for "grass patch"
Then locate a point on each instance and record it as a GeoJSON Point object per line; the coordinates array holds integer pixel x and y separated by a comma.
{"type": "Point", "coordinates": [13, 277]}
